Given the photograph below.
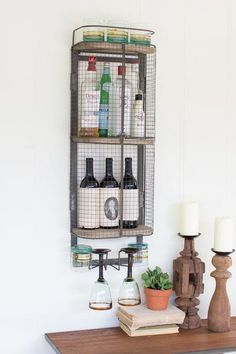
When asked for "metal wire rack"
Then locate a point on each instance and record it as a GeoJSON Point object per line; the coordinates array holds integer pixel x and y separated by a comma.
{"type": "Point", "coordinates": [112, 133]}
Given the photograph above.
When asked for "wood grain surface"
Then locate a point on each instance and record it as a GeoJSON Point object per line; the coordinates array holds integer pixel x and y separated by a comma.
{"type": "Point", "coordinates": [219, 309]}
{"type": "Point", "coordinates": [112, 141]}
{"type": "Point", "coordinates": [107, 47]}
{"type": "Point", "coordinates": [112, 233]}
{"type": "Point", "coordinates": [115, 341]}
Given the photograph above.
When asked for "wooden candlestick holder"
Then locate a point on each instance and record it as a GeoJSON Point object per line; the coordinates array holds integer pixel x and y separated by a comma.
{"type": "Point", "coordinates": [219, 309]}
{"type": "Point", "coordinates": [188, 282]}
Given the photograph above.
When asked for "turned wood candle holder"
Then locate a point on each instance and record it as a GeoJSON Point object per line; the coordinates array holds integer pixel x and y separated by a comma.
{"type": "Point", "coordinates": [188, 282]}
{"type": "Point", "coordinates": [219, 309]}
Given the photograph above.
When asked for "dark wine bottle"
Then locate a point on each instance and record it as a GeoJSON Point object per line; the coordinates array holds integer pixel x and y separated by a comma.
{"type": "Point", "coordinates": [89, 199]}
{"type": "Point", "coordinates": [130, 197]}
{"type": "Point", "coordinates": [109, 198]}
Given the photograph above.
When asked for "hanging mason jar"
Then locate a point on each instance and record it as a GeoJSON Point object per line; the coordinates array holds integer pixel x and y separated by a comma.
{"type": "Point", "coordinates": [141, 257]}
{"type": "Point", "coordinates": [81, 256]}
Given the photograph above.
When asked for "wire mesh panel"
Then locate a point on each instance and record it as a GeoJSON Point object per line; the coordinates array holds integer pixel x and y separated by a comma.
{"type": "Point", "coordinates": [112, 148]}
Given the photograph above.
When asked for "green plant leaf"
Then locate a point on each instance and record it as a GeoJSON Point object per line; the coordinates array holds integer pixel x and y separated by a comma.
{"type": "Point", "coordinates": [156, 279]}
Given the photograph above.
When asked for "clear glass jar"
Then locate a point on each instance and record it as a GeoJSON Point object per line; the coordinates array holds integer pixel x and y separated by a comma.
{"type": "Point", "coordinates": [116, 35]}
{"type": "Point", "coordinates": [93, 35]}
{"type": "Point", "coordinates": [140, 38]}
{"type": "Point", "coordinates": [141, 257]}
{"type": "Point", "coordinates": [81, 256]}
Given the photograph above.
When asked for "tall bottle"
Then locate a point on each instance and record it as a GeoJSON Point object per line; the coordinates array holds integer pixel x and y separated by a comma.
{"type": "Point", "coordinates": [130, 197]}
{"type": "Point", "coordinates": [135, 78]}
{"type": "Point", "coordinates": [89, 199]}
{"type": "Point", "coordinates": [90, 98]}
{"type": "Point", "coordinates": [115, 126]}
{"type": "Point", "coordinates": [138, 118]}
{"type": "Point", "coordinates": [104, 101]}
{"type": "Point", "coordinates": [109, 198]}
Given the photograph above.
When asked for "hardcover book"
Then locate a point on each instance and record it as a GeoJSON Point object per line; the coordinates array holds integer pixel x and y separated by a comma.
{"type": "Point", "coordinates": [140, 316]}
{"type": "Point", "coordinates": [150, 331]}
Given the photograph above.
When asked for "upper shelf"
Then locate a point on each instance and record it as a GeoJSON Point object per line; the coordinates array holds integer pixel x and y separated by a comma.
{"type": "Point", "coordinates": [106, 47]}
{"type": "Point", "coordinates": [110, 140]}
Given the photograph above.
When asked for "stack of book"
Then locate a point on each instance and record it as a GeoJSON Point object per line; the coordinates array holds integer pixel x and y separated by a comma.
{"type": "Point", "coordinates": [140, 321]}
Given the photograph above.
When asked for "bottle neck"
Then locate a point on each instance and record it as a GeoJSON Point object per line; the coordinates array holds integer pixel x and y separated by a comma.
{"type": "Point", "coordinates": [91, 66]}
{"type": "Point", "coordinates": [135, 73]}
{"type": "Point", "coordinates": [89, 167]}
{"type": "Point", "coordinates": [91, 75]}
{"type": "Point", "coordinates": [119, 77]}
{"type": "Point", "coordinates": [109, 169]}
{"type": "Point", "coordinates": [128, 167]}
{"type": "Point", "coordinates": [138, 103]}
{"type": "Point", "coordinates": [106, 70]}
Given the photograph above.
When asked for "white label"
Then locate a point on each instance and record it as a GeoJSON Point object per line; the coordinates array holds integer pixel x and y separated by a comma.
{"type": "Point", "coordinates": [139, 123]}
{"type": "Point", "coordinates": [89, 208]}
{"type": "Point", "coordinates": [130, 204]}
{"type": "Point", "coordinates": [90, 108]}
{"type": "Point", "coordinates": [91, 101]}
{"type": "Point", "coordinates": [109, 207]}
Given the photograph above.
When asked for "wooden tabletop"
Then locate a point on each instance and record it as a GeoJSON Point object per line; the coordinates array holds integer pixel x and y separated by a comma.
{"type": "Point", "coordinates": [115, 341]}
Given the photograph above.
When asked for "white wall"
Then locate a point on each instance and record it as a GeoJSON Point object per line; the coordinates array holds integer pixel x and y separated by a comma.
{"type": "Point", "coordinates": [196, 106]}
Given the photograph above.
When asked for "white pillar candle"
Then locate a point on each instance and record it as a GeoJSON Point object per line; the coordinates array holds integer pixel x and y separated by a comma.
{"type": "Point", "coordinates": [224, 232]}
{"type": "Point", "coordinates": [189, 219]}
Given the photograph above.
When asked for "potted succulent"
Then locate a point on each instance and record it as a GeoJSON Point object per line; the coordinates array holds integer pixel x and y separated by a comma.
{"type": "Point", "coordinates": [157, 288]}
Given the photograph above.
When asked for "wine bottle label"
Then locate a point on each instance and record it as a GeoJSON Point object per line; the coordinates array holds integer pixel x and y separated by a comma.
{"type": "Point", "coordinates": [89, 208]}
{"type": "Point", "coordinates": [109, 207]}
{"type": "Point", "coordinates": [130, 204]}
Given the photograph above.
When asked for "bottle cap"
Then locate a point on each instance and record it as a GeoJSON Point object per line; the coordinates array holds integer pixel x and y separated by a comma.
{"type": "Point", "coordinates": [120, 70]}
{"type": "Point", "coordinates": [138, 97]}
{"type": "Point", "coordinates": [92, 63]}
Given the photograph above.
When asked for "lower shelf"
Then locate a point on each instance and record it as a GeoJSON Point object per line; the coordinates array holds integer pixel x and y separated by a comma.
{"type": "Point", "coordinates": [141, 230]}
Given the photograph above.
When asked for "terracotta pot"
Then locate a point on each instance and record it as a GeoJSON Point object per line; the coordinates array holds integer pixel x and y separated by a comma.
{"type": "Point", "coordinates": [157, 299]}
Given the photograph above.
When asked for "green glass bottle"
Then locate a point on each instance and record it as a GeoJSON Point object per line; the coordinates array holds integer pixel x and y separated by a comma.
{"type": "Point", "coordinates": [104, 101]}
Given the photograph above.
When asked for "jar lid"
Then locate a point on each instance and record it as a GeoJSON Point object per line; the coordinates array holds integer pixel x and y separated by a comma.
{"type": "Point", "coordinates": [141, 246]}
{"type": "Point", "coordinates": [84, 249]}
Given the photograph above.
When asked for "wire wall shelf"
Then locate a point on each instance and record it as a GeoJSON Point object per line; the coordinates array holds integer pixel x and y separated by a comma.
{"type": "Point", "coordinates": [112, 133]}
